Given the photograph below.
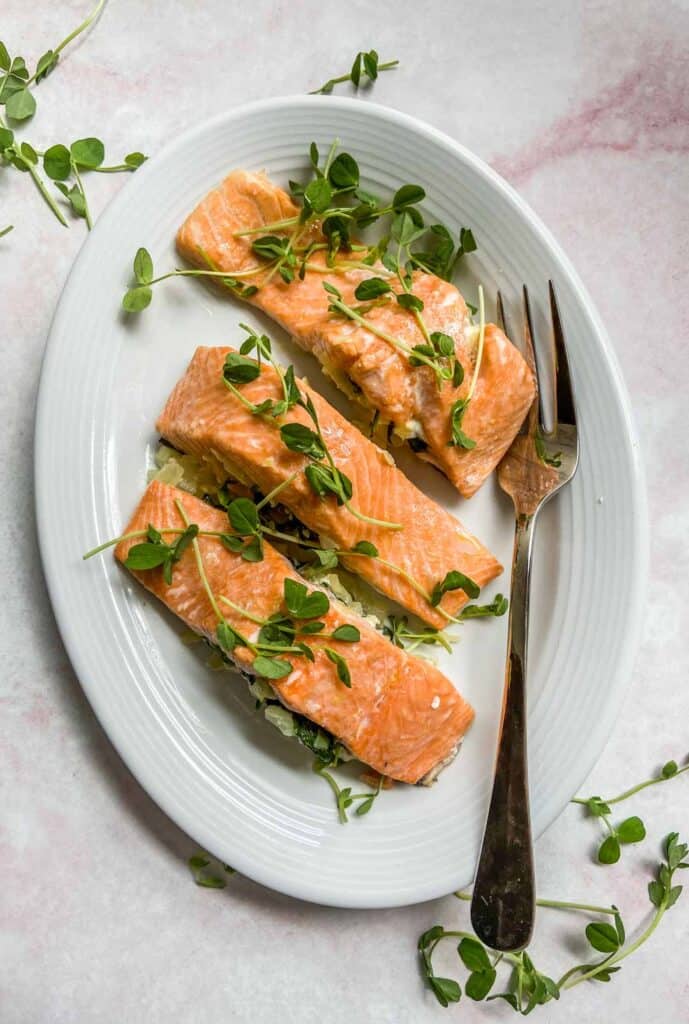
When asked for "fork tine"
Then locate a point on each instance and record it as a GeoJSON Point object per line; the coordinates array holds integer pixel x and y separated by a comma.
{"type": "Point", "coordinates": [565, 408]}
{"type": "Point", "coordinates": [500, 314]}
{"type": "Point", "coordinates": [530, 357]}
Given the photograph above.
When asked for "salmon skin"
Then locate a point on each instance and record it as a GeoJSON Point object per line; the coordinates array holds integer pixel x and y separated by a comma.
{"type": "Point", "coordinates": [401, 715]}
{"type": "Point", "coordinates": [365, 366]}
{"type": "Point", "coordinates": [203, 418]}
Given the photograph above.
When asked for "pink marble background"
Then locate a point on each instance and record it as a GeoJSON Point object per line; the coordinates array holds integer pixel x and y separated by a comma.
{"type": "Point", "coordinates": [584, 107]}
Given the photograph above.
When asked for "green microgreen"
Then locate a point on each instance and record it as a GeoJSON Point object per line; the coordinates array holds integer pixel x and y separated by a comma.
{"type": "Point", "coordinates": [344, 798]}
{"type": "Point", "coordinates": [340, 663]}
{"type": "Point", "coordinates": [454, 580]}
{"type": "Point", "coordinates": [366, 66]}
{"type": "Point", "coordinates": [64, 165]}
{"type": "Point", "coordinates": [199, 864]}
{"type": "Point", "coordinates": [554, 459]}
{"type": "Point", "coordinates": [458, 438]}
{"type": "Point", "coordinates": [15, 80]}
{"type": "Point", "coordinates": [154, 552]}
{"type": "Point", "coordinates": [630, 830]}
{"type": "Point", "coordinates": [497, 607]}
{"type": "Point", "coordinates": [528, 987]}
{"type": "Point", "coordinates": [139, 294]}
{"type": "Point", "coordinates": [397, 630]}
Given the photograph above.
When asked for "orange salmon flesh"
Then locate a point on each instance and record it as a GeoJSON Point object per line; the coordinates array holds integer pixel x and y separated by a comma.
{"type": "Point", "coordinates": [203, 418]}
{"type": "Point", "coordinates": [367, 367]}
{"type": "Point", "coordinates": [401, 716]}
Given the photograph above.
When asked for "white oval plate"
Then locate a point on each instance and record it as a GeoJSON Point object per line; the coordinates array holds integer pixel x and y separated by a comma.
{"type": "Point", "coordinates": [190, 735]}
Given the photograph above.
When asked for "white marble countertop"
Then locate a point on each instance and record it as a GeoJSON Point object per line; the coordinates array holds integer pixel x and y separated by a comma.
{"type": "Point", "coordinates": [584, 108]}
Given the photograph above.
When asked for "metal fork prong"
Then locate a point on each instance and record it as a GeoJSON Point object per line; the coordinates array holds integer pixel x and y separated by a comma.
{"type": "Point", "coordinates": [529, 353]}
{"type": "Point", "coordinates": [530, 357]}
{"type": "Point", "coordinates": [565, 409]}
{"type": "Point", "coordinates": [500, 314]}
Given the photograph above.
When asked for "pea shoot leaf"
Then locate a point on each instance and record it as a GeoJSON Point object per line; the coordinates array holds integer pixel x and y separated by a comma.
{"type": "Point", "coordinates": [364, 547]}
{"type": "Point", "coordinates": [143, 266]}
{"type": "Point", "coordinates": [271, 668]}
{"type": "Point", "coordinates": [609, 850]}
{"type": "Point", "coordinates": [243, 516]}
{"type": "Point", "coordinates": [371, 288]}
{"type": "Point", "coordinates": [602, 936]}
{"type": "Point", "coordinates": [20, 105]}
{"type": "Point", "coordinates": [300, 438]}
{"type": "Point", "coordinates": [473, 955]}
{"type": "Point", "coordinates": [240, 370]}
{"type": "Point", "coordinates": [631, 830]}
{"type": "Point", "coordinates": [454, 580]}
{"type": "Point", "coordinates": [57, 163]}
{"type": "Point", "coordinates": [302, 604]}
{"type": "Point", "coordinates": [341, 665]}
{"type": "Point", "coordinates": [344, 172]}
{"type": "Point", "coordinates": [347, 634]}
{"type": "Point", "coordinates": [88, 153]}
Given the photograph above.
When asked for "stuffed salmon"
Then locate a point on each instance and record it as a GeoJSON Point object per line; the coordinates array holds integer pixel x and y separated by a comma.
{"type": "Point", "coordinates": [392, 711]}
{"type": "Point", "coordinates": [369, 357]}
{"type": "Point", "coordinates": [416, 543]}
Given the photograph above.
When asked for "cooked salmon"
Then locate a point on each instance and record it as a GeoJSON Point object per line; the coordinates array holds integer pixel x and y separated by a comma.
{"type": "Point", "coordinates": [203, 418]}
{"type": "Point", "coordinates": [364, 365]}
{"type": "Point", "coordinates": [401, 715]}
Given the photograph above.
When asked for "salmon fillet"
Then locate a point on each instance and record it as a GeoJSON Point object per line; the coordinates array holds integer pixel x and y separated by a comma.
{"type": "Point", "coordinates": [203, 418]}
{"type": "Point", "coordinates": [364, 365]}
{"type": "Point", "coordinates": [401, 716]}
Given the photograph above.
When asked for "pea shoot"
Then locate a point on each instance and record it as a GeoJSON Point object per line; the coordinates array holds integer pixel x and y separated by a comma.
{"type": "Point", "coordinates": [555, 460]}
{"type": "Point", "coordinates": [529, 987]}
{"type": "Point", "coordinates": [459, 407]}
{"type": "Point", "coordinates": [497, 607]}
{"type": "Point", "coordinates": [15, 81]}
{"type": "Point", "coordinates": [139, 294]}
{"type": "Point", "coordinates": [323, 475]}
{"type": "Point", "coordinates": [344, 798]}
{"type": "Point", "coordinates": [199, 864]}
{"type": "Point", "coordinates": [64, 165]}
{"type": "Point", "coordinates": [366, 66]}
{"type": "Point", "coordinates": [398, 632]}
{"type": "Point", "coordinates": [632, 829]}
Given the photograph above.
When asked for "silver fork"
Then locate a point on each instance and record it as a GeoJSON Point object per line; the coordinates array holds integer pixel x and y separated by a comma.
{"type": "Point", "coordinates": [538, 464]}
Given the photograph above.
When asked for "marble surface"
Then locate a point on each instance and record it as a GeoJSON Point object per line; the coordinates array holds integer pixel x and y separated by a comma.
{"type": "Point", "coordinates": [584, 108]}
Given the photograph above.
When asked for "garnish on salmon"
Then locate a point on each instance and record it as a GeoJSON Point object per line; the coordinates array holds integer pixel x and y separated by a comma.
{"type": "Point", "coordinates": [401, 716]}
{"type": "Point", "coordinates": [386, 354]}
{"type": "Point", "coordinates": [219, 427]}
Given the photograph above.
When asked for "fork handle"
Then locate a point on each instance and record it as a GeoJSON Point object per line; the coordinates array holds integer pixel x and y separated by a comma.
{"type": "Point", "coordinates": [503, 902]}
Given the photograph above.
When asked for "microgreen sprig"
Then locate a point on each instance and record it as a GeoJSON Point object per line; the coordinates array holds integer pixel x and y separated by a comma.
{"type": "Point", "coordinates": [321, 472]}
{"type": "Point", "coordinates": [555, 460]}
{"type": "Point", "coordinates": [198, 865]}
{"type": "Point", "coordinates": [366, 65]}
{"type": "Point", "coordinates": [139, 294]}
{"type": "Point", "coordinates": [632, 829]}
{"type": "Point", "coordinates": [497, 607]}
{"type": "Point", "coordinates": [398, 632]}
{"type": "Point", "coordinates": [154, 552]}
{"type": "Point", "coordinates": [457, 436]}
{"type": "Point", "coordinates": [15, 94]}
{"type": "Point", "coordinates": [61, 164]}
{"type": "Point", "coordinates": [247, 540]}
{"type": "Point", "coordinates": [417, 354]}
{"type": "Point", "coordinates": [324, 479]}
{"type": "Point", "coordinates": [344, 797]}
{"type": "Point", "coordinates": [528, 986]}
